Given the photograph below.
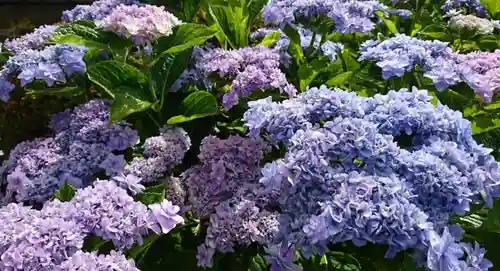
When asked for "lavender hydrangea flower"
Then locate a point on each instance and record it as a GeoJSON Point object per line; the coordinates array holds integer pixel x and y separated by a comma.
{"type": "Point", "coordinates": [35, 40]}
{"type": "Point", "coordinates": [97, 11]}
{"type": "Point", "coordinates": [36, 242]}
{"type": "Point", "coordinates": [165, 214]}
{"type": "Point", "coordinates": [237, 222]}
{"type": "Point", "coordinates": [161, 153]}
{"type": "Point", "coordinates": [281, 258]}
{"type": "Point", "coordinates": [481, 70]}
{"type": "Point", "coordinates": [81, 146]}
{"type": "Point", "coordinates": [83, 261]}
{"type": "Point", "coordinates": [142, 23]}
{"type": "Point", "coordinates": [113, 164]}
{"type": "Point", "coordinates": [106, 210]}
{"type": "Point", "coordinates": [225, 167]}
{"type": "Point", "coordinates": [129, 182]}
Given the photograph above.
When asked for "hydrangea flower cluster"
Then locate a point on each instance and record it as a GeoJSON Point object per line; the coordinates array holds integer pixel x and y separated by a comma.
{"type": "Point", "coordinates": [31, 241]}
{"type": "Point", "coordinates": [161, 153]}
{"type": "Point", "coordinates": [97, 11]}
{"type": "Point", "coordinates": [249, 69]}
{"type": "Point", "coordinates": [401, 54]}
{"type": "Point", "coordinates": [52, 64]}
{"type": "Point", "coordinates": [142, 23]}
{"type": "Point", "coordinates": [353, 178]}
{"type": "Point", "coordinates": [52, 238]}
{"type": "Point", "coordinates": [106, 210]}
{"type": "Point", "coordinates": [84, 261]}
{"type": "Point", "coordinates": [481, 70]}
{"type": "Point", "coordinates": [349, 15]}
{"type": "Point", "coordinates": [226, 166]}
{"type": "Point", "coordinates": [224, 188]}
{"type": "Point", "coordinates": [474, 6]}
{"type": "Point", "coordinates": [83, 139]}
{"type": "Point", "coordinates": [237, 221]}
{"type": "Point", "coordinates": [35, 40]}
{"type": "Point", "coordinates": [445, 253]}
{"type": "Point", "coordinates": [479, 25]}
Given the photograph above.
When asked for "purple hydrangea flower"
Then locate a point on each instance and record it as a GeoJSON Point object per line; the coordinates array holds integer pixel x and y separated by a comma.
{"type": "Point", "coordinates": [161, 153]}
{"type": "Point", "coordinates": [237, 222]}
{"type": "Point", "coordinates": [83, 261]}
{"type": "Point", "coordinates": [106, 210]}
{"type": "Point", "coordinates": [225, 167]}
{"type": "Point", "coordinates": [81, 146]}
{"type": "Point", "coordinates": [114, 164]}
{"type": "Point", "coordinates": [31, 241]}
{"type": "Point", "coordinates": [142, 23]}
{"type": "Point", "coordinates": [35, 40]}
{"type": "Point", "coordinates": [481, 70]}
{"type": "Point", "coordinates": [249, 69]}
{"type": "Point", "coordinates": [165, 214]}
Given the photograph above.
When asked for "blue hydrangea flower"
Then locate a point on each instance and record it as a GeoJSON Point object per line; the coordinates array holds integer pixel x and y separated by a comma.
{"type": "Point", "coordinates": [344, 175]}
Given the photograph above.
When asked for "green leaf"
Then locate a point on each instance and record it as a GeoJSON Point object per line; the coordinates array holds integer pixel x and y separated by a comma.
{"type": "Point", "coordinates": [492, 222]}
{"type": "Point", "coordinates": [294, 48]}
{"type": "Point", "coordinates": [270, 39]}
{"type": "Point", "coordinates": [127, 101]}
{"type": "Point", "coordinates": [167, 70]}
{"type": "Point", "coordinates": [197, 105]}
{"type": "Point", "coordinates": [308, 72]}
{"type": "Point", "coordinates": [138, 251]}
{"type": "Point", "coordinates": [112, 74]}
{"type": "Point", "coordinates": [233, 21]}
{"type": "Point", "coordinates": [152, 194]}
{"type": "Point", "coordinates": [4, 56]}
{"type": "Point", "coordinates": [340, 80]}
{"type": "Point", "coordinates": [437, 35]}
{"type": "Point", "coordinates": [390, 24]}
{"type": "Point", "coordinates": [258, 263]}
{"type": "Point", "coordinates": [57, 91]}
{"type": "Point", "coordinates": [84, 29]}
{"type": "Point", "coordinates": [185, 36]}
{"type": "Point", "coordinates": [485, 123]}
{"type": "Point", "coordinates": [93, 243]}
{"type": "Point", "coordinates": [493, 7]}
{"type": "Point", "coordinates": [190, 8]}
{"type": "Point", "coordinates": [65, 193]}
{"type": "Point", "coordinates": [415, 29]}
{"type": "Point", "coordinates": [92, 37]}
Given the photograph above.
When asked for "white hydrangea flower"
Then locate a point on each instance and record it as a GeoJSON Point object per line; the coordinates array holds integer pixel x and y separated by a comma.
{"type": "Point", "coordinates": [481, 25]}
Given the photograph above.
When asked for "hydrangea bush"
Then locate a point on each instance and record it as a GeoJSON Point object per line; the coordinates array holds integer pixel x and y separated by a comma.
{"type": "Point", "coordinates": [257, 135]}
